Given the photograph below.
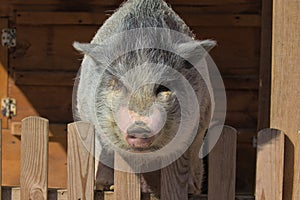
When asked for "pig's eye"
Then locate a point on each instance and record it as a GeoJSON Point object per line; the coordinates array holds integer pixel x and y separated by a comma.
{"type": "Point", "coordinates": [115, 84]}
{"type": "Point", "coordinates": [162, 89]}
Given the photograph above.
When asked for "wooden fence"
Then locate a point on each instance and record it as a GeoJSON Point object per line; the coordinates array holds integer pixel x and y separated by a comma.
{"type": "Point", "coordinates": [221, 172]}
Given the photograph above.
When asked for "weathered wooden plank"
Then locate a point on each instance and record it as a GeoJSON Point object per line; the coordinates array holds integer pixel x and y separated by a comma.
{"type": "Point", "coordinates": [55, 130]}
{"type": "Point", "coordinates": [127, 185]}
{"type": "Point", "coordinates": [62, 195]}
{"type": "Point", "coordinates": [285, 92]}
{"type": "Point", "coordinates": [118, 2]}
{"type": "Point", "coordinates": [233, 55]}
{"type": "Point", "coordinates": [45, 78]}
{"type": "Point", "coordinates": [60, 18]}
{"type": "Point", "coordinates": [34, 158]}
{"type": "Point", "coordinates": [265, 66]}
{"type": "Point", "coordinates": [297, 193]}
{"type": "Point", "coordinates": [269, 165]}
{"type": "Point", "coordinates": [9, 9]}
{"type": "Point", "coordinates": [233, 52]}
{"type": "Point", "coordinates": [241, 119]}
{"type": "Point", "coordinates": [222, 166]}
{"type": "Point", "coordinates": [174, 180]}
{"type": "Point", "coordinates": [11, 149]}
{"type": "Point", "coordinates": [62, 78]}
{"type": "Point", "coordinates": [31, 102]}
{"type": "Point", "coordinates": [57, 168]}
{"type": "Point", "coordinates": [85, 18]}
{"type": "Point", "coordinates": [109, 196]}
{"type": "Point", "coordinates": [15, 194]}
{"type": "Point", "coordinates": [3, 71]}
{"type": "Point", "coordinates": [254, 8]}
{"type": "Point", "coordinates": [81, 163]}
{"type": "Point", "coordinates": [50, 49]}
{"type": "Point", "coordinates": [219, 20]}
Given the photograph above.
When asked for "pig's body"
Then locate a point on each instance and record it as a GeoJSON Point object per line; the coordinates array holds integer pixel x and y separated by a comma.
{"type": "Point", "coordinates": [131, 99]}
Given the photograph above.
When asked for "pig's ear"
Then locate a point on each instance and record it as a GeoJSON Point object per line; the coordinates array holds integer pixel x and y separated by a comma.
{"type": "Point", "coordinates": [195, 50]}
{"type": "Point", "coordinates": [92, 50]}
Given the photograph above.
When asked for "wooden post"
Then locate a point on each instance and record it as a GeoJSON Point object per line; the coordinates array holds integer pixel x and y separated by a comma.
{"type": "Point", "coordinates": [285, 93]}
{"type": "Point", "coordinates": [222, 166]}
{"type": "Point", "coordinates": [174, 180]}
{"type": "Point", "coordinates": [127, 185]}
{"type": "Point", "coordinates": [81, 162]}
{"type": "Point", "coordinates": [298, 172]}
{"type": "Point", "coordinates": [34, 158]}
{"type": "Point", "coordinates": [269, 166]}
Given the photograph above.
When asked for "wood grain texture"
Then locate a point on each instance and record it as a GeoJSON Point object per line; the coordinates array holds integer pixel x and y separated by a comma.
{"type": "Point", "coordinates": [174, 179]}
{"type": "Point", "coordinates": [63, 78]}
{"type": "Point", "coordinates": [51, 102]}
{"type": "Point", "coordinates": [3, 71]}
{"type": "Point", "coordinates": [62, 195]}
{"type": "Point", "coordinates": [269, 165]}
{"type": "Point", "coordinates": [55, 130]}
{"type": "Point", "coordinates": [222, 166]}
{"type": "Point", "coordinates": [63, 18]}
{"type": "Point", "coordinates": [127, 185]}
{"type": "Point", "coordinates": [118, 2]}
{"type": "Point", "coordinates": [109, 196]}
{"type": "Point", "coordinates": [45, 78]}
{"type": "Point", "coordinates": [285, 92]}
{"type": "Point", "coordinates": [15, 194]}
{"type": "Point", "coordinates": [265, 66]}
{"type": "Point", "coordinates": [297, 192]}
{"type": "Point", "coordinates": [34, 158]}
{"type": "Point", "coordinates": [81, 162]}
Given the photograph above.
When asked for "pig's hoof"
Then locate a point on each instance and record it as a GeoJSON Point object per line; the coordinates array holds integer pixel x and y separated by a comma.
{"type": "Point", "coordinates": [112, 188]}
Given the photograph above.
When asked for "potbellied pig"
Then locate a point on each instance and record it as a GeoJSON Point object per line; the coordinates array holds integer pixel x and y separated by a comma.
{"type": "Point", "coordinates": [138, 85]}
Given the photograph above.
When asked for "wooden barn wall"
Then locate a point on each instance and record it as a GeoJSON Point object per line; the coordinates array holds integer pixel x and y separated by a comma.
{"type": "Point", "coordinates": [43, 65]}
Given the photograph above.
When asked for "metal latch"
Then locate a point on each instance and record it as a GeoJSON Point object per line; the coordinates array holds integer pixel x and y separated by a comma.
{"type": "Point", "coordinates": [8, 107]}
{"type": "Point", "coordinates": [8, 37]}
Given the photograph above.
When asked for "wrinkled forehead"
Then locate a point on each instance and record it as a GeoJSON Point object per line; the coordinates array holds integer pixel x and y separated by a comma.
{"type": "Point", "coordinates": [153, 61]}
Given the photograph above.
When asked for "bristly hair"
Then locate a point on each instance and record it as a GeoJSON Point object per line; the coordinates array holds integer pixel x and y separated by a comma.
{"type": "Point", "coordinates": [140, 14]}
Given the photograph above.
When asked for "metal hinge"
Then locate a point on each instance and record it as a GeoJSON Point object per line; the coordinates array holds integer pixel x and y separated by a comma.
{"type": "Point", "coordinates": [8, 37]}
{"type": "Point", "coordinates": [8, 107]}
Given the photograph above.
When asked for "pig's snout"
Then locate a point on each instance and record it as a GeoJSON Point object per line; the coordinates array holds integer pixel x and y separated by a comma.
{"type": "Point", "coordinates": [139, 129]}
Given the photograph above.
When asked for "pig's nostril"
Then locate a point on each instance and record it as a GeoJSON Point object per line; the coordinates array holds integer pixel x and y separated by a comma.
{"type": "Point", "coordinates": [137, 130]}
{"type": "Point", "coordinates": [140, 123]}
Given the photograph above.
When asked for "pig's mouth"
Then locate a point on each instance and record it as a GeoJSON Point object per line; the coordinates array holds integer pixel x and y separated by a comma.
{"type": "Point", "coordinates": [139, 142]}
{"type": "Point", "coordinates": [138, 135]}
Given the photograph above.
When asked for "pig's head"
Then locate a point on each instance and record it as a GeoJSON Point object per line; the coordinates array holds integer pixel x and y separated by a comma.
{"type": "Point", "coordinates": [136, 100]}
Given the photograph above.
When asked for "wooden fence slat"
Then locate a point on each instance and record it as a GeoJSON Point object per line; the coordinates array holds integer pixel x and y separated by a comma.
{"type": "Point", "coordinates": [222, 166]}
{"type": "Point", "coordinates": [15, 194]}
{"type": "Point", "coordinates": [269, 166]}
{"type": "Point", "coordinates": [109, 196]}
{"type": "Point", "coordinates": [174, 179]}
{"type": "Point", "coordinates": [62, 195]}
{"type": "Point", "coordinates": [34, 158]}
{"type": "Point", "coordinates": [127, 185]}
{"type": "Point", "coordinates": [297, 193]}
{"type": "Point", "coordinates": [81, 162]}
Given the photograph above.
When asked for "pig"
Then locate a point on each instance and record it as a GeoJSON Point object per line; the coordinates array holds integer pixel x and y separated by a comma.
{"type": "Point", "coordinates": [134, 95]}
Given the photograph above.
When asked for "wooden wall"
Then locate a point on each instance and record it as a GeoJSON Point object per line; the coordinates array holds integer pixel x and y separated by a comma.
{"type": "Point", "coordinates": [285, 93]}
{"type": "Point", "coordinates": [43, 64]}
